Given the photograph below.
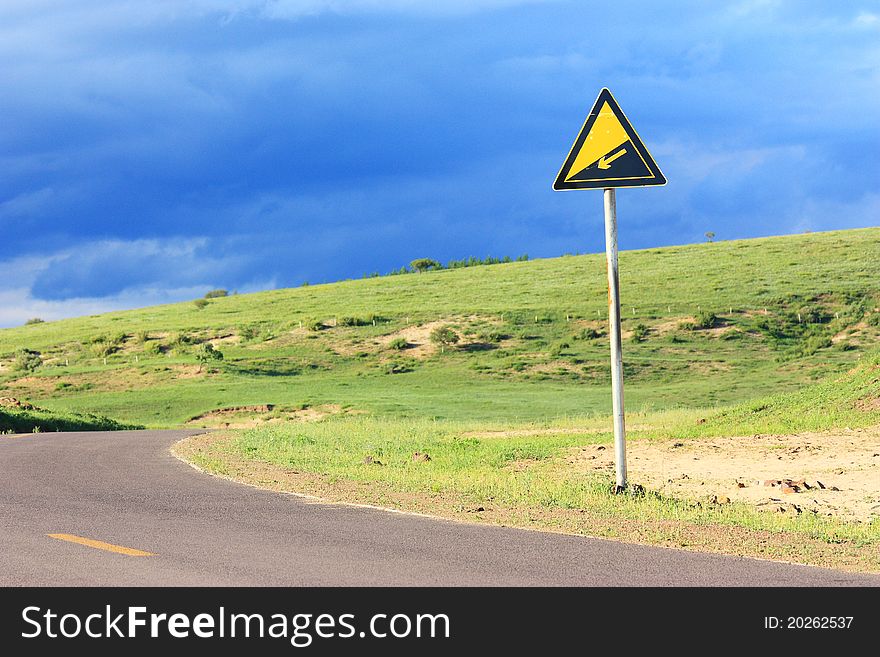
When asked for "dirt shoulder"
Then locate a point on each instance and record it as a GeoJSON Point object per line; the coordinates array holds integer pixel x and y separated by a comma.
{"type": "Point", "coordinates": [215, 454]}
{"type": "Point", "coordinates": [831, 473]}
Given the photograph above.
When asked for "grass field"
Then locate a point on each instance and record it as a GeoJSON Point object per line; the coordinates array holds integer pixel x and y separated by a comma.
{"type": "Point", "coordinates": [36, 420]}
{"type": "Point", "coordinates": [788, 311]}
{"type": "Point", "coordinates": [520, 474]}
{"type": "Point", "coordinates": [765, 336]}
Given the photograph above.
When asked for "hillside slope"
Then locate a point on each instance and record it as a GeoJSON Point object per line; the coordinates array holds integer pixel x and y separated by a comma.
{"type": "Point", "coordinates": [704, 325]}
{"type": "Point", "coordinates": [18, 417]}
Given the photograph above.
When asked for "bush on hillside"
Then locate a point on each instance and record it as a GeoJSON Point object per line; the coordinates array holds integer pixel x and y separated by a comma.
{"type": "Point", "coordinates": [27, 360]}
{"type": "Point", "coordinates": [557, 349]}
{"type": "Point", "coordinates": [444, 336]}
{"type": "Point", "coordinates": [104, 349]}
{"type": "Point", "coordinates": [105, 345]}
{"type": "Point", "coordinates": [492, 336]}
{"type": "Point", "coordinates": [182, 340]}
{"type": "Point", "coordinates": [355, 321]}
{"type": "Point", "coordinates": [587, 334]}
{"type": "Point", "coordinates": [398, 344]}
{"type": "Point", "coordinates": [208, 353]}
{"type": "Point", "coordinates": [216, 294]}
{"type": "Point", "coordinates": [156, 348]}
{"type": "Point", "coordinates": [705, 319]}
{"type": "Point", "coordinates": [640, 333]}
{"type": "Point", "coordinates": [248, 332]}
{"type": "Point", "coordinates": [813, 315]}
{"type": "Point", "coordinates": [424, 264]}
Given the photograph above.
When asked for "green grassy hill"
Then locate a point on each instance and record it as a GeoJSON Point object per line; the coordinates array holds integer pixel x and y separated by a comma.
{"type": "Point", "coordinates": [705, 325]}
{"type": "Point", "coordinates": [29, 419]}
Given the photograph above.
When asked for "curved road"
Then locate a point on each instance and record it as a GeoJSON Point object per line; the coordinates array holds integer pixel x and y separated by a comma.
{"type": "Point", "coordinates": [126, 489]}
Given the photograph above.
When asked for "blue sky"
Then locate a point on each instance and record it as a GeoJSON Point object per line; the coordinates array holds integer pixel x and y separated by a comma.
{"type": "Point", "coordinates": [151, 151]}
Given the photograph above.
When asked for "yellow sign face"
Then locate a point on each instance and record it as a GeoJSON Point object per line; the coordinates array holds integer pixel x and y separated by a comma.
{"type": "Point", "coordinates": [608, 153]}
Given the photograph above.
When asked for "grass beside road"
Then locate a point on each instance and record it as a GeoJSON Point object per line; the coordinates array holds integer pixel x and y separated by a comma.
{"type": "Point", "coordinates": [520, 474]}
{"type": "Point", "coordinates": [36, 420]}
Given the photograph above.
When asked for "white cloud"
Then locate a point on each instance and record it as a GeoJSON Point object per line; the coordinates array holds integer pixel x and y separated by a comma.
{"type": "Point", "coordinates": [17, 305]}
{"type": "Point", "coordinates": [288, 9]}
{"type": "Point", "coordinates": [867, 20]}
{"type": "Point", "coordinates": [177, 270]}
{"type": "Point", "coordinates": [76, 14]}
{"type": "Point", "coordinates": [832, 214]}
{"type": "Point", "coordinates": [543, 64]}
{"type": "Point", "coordinates": [754, 8]}
{"type": "Point", "coordinates": [25, 204]}
{"type": "Point", "coordinates": [694, 162]}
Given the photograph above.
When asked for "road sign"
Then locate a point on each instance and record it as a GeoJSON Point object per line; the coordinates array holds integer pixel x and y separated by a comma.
{"type": "Point", "coordinates": [608, 153]}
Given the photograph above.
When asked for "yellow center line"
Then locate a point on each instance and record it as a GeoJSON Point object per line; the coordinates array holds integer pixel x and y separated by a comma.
{"type": "Point", "coordinates": [101, 545]}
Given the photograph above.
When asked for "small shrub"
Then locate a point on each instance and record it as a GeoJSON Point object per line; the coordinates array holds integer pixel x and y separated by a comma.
{"type": "Point", "coordinates": [183, 340]}
{"type": "Point", "coordinates": [142, 336]}
{"type": "Point", "coordinates": [355, 321]}
{"type": "Point", "coordinates": [814, 343]}
{"type": "Point", "coordinates": [557, 349]}
{"type": "Point", "coordinates": [104, 349]}
{"type": "Point", "coordinates": [397, 367]}
{"type": "Point", "coordinates": [207, 353]}
{"type": "Point", "coordinates": [156, 348]}
{"type": "Point", "coordinates": [492, 336]}
{"type": "Point", "coordinates": [639, 333]}
{"type": "Point", "coordinates": [216, 294]}
{"type": "Point", "coordinates": [200, 303]}
{"type": "Point", "coordinates": [873, 319]}
{"type": "Point", "coordinates": [424, 264]}
{"type": "Point", "coordinates": [587, 334]}
{"type": "Point", "coordinates": [315, 325]}
{"type": "Point", "coordinates": [248, 332]}
{"type": "Point", "coordinates": [398, 344]}
{"type": "Point", "coordinates": [27, 360]}
{"type": "Point", "coordinates": [34, 320]}
{"type": "Point", "coordinates": [813, 315]}
{"type": "Point", "coordinates": [705, 319]}
{"type": "Point", "coordinates": [444, 336]}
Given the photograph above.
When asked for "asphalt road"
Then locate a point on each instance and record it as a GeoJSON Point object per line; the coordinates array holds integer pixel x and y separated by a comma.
{"type": "Point", "coordinates": [126, 489]}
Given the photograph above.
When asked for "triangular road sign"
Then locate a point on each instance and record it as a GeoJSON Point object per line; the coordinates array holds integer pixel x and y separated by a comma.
{"type": "Point", "coordinates": [608, 153]}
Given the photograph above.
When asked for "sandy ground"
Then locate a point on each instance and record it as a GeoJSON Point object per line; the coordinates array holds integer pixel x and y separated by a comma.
{"type": "Point", "coordinates": [247, 417]}
{"type": "Point", "coordinates": [835, 473]}
{"type": "Point", "coordinates": [417, 337]}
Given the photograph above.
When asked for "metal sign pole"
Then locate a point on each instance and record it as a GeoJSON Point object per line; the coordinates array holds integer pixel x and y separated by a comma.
{"type": "Point", "coordinates": [606, 154]}
{"type": "Point", "coordinates": [614, 324]}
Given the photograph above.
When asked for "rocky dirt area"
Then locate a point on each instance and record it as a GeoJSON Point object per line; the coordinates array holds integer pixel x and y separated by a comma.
{"type": "Point", "coordinates": [833, 473]}
{"type": "Point", "coordinates": [246, 417]}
